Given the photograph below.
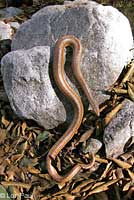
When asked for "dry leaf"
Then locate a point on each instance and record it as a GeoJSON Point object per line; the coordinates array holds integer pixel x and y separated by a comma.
{"type": "Point", "coordinates": [131, 174]}
{"type": "Point", "coordinates": [23, 126]}
{"type": "Point", "coordinates": [18, 184]}
{"type": "Point", "coordinates": [120, 163]}
{"type": "Point", "coordinates": [85, 136]}
{"type": "Point", "coordinates": [100, 160]}
{"type": "Point", "coordinates": [104, 174]}
{"type": "Point", "coordinates": [112, 114]}
{"type": "Point", "coordinates": [82, 185]}
{"type": "Point", "coordinates": [127, 186]}
{"type": "Point", "coordinates": [4, 121]}
{"type": "Point", "coordinates": [129, 73]}
{"type": "Point", "coordinates": [102, 187]}
{"type": "Point", "coordinates": [130, 90]}
{"type": "Point", "coordinates": [33, 170]}
{"type": "Point", "coordinates": [17, 157]}
{"type": "Point", "coordinates": [23, 147]}
{"type": "Point", "coordinates": [3, 134]}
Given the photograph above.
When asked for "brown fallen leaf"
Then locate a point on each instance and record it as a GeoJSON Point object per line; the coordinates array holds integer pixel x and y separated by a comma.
{"type": "Point", "coordinates": [86, 135]}
{"type": "Point", "coordinates": [23, 126]}
{"type": "Point", "coordinates": [92, 185]}
{"type": "Point", "coordinates": [13, 172]}
{"type": "Point", "coordinates": [10, 126]}
{"type": "Point", "coordinates": [131, 174]}
{"type": "Point", "coordinates": [129, 73]}
{"type": "Point", "coordinates": [112, 114]}
{"type": "Point", "coordinates": [18, 184]}
{"type": "Point", "coordinates": [3, 134]}
{"type": "Point", "coordinates": [107, 169]}
{"type": "Point", "coordinates": [120, 163]}
{"type": "Point", "coordinates": [36, 195]}
{"type": "Point", "coordinates": [33, 170]}
{"type": "Point", "coordinates": [127, 186]}
{"type": "Point", "coordinates": [23, 147]}
{"type": "Point", "coordinates": [17, 157]}
{"type": "Point", "coordinates": [101, 188]}
{"type": "Point", "coordinates": [82, 185]}
{"type": "Point", "coordinates": [3, 166]}
{"type": "Point", "coordinates": [118, 90]}
{"type": "Point", "coordinates": [5, 122]}
{"type": "Point", "coordinates": [130, 90]}
{"type": "Point", "coordinates": [101, 160]}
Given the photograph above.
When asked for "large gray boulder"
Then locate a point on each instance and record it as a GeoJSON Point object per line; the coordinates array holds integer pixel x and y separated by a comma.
{"type": "Point", "coordinates": [27, 83]}
{"type": "Point", "coordinates": [104, 32]}
{"type": "Point", "coordinates": [106, 38]}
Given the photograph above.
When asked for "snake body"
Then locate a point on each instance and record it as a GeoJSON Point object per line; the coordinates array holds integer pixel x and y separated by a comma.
{"type": "Point", "coordinates": [59, 76]}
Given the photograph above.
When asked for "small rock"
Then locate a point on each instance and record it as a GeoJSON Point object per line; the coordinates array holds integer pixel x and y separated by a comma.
{"type": "Point", "coordinates": [92, 146]}
{"type": "Point", "coordinates": [30, 82]}
{"type": "Point", "coordinates": [5, 31]}
{"type": "Point", "coordinates": [119, 131]}
{"type": "Point", "coordinates": [9, 12]}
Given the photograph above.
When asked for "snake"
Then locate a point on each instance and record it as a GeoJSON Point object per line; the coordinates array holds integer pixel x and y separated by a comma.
{"type": "Point", "coordinates": [74, 98]}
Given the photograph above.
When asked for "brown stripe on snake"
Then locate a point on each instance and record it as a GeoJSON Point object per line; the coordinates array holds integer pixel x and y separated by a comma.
{"type": "Point", "coordinates": [59, 75]}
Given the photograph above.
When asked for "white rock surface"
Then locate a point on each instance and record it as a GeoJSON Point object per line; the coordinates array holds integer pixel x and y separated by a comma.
{"type": "Point", "coordinates": [5, 31]}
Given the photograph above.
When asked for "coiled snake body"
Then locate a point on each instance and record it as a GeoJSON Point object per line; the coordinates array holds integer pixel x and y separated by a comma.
{"type": "Point", "coordinates": [59, 75]}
